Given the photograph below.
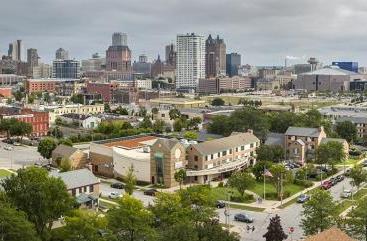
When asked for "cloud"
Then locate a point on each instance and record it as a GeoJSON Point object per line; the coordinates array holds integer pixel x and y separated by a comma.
{"type": "Point", "coordinates": [263, 31]}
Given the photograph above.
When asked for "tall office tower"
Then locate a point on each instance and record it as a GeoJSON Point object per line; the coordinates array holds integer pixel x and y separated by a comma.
{"type": "Point", "coordinates": [171, 55]}
{"type": "Point", "coordinates": [118, 58]}
{"type": "Point", "coordinates": [233, 63]}
{"type": "Point", "coordinates": [96, 63]}
{"type": "Point", "coordinates": [16, 50]}
{"type": "Point", "coordinates": [42, 71]}
{"type": "Point", "coordinates": [65, 69]}
{"type": "Point", "coordinates": [62, 54]}
{"type": "Point", "coordinates": [32, 58]}
{"type": "Point", "coordinates": [119, 39]}
{"type": "Point", "coordinates": [215, 57]}
{"type": "Point", "coordinates": [190, 60]}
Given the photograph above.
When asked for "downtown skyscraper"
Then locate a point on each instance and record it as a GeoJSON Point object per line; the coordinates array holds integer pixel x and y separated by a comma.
{"type": "Point", "coordinates": [190, 60]}
{"type": "Point", "coordinates": [215, 57]}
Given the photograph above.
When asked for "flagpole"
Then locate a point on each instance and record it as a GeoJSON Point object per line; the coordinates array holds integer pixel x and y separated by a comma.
{"type": "Point", "coordinates": [264, 182]}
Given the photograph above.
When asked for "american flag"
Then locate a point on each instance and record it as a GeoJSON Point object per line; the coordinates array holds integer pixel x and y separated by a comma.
{"type": "Point", "coordinates": [267, 173]}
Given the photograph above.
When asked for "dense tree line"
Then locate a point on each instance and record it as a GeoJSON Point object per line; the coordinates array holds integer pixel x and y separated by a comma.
{"type": "Point", "coordinates": [262, 122]}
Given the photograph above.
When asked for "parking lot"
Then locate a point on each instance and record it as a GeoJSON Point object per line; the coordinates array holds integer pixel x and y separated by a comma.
{"type": "Point", "coordinates": [19, 156]}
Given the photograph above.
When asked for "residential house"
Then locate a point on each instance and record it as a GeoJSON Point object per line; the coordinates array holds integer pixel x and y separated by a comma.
{"type": "Point", "coordinates": [85, 121]}
{"type": "Point", "coordinates": [331, 234]}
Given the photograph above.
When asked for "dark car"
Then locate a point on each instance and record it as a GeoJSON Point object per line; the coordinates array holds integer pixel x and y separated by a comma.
{"type": "Point", "coordinates": [243, 218]}
{"type": "Point", "coordinates": [150, 192]}
{"type": "Point", "coordinates": [326, 185]}
{"type": "Point", "coordinates": [340, 178]}
{"type": "Point", "coordinates": [220, 204]}
{"type": "Point", "coordinates": [117, 185]}
{"type": "Point", "coordinates": [333, 181]}
{"type": "Point", "coordinates": [303, 198]}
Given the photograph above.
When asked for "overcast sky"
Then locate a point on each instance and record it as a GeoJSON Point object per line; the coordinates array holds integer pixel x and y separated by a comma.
{"type": "Point", "coordinates": [263, 31]}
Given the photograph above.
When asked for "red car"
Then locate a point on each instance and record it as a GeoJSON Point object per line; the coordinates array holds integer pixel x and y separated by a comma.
{"type": "Point", "coordinates": [326, 185]}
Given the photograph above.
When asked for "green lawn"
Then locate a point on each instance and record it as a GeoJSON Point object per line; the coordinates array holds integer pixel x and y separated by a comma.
{"type": "Point", "coordinates": [221, 193]}
{"type": "Point", "coordinates": [345, 204]}
{"type": "Point", "coordinates": [4, 173]}
{"type": "Point", "coordinates": [271, 192]}
{"type": "Point", "coordinates": [248, 208]}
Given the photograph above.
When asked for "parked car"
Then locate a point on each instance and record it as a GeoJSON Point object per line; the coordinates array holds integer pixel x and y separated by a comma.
{"type": "Point", "coordinates": [114, 195]}
{"type": "Point", "coordinates": [150, 192]}
{"type": "Point", "coordinates": [17, 144]}
{"type": "Point", "coordinates": [117, 185]}
{"type": "Point", "coordinates": [220, 204]}
{"type": "Point", "coordinates": [333, 181]}
{"type": "Point", "coordinates": [243, 218]}
{"type": "Point", "coordinates": [303, 198]}
{"type": "Point", "coordinates": [346, 194]}
{"type": "Point", "coordinates": [326, 185]}
{"type": "Point", "coordinates": [340, 178]}
{"type": "Point", "coordinates": [8, 141]}
{"type": "Point", "coordinates": [8, 148]}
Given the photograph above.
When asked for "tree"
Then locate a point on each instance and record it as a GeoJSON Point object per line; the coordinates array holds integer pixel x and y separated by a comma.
{"type": "Point", "coordinates": [174, 114]}
{"type": "Point", "coordinates": [146, 123]}
{"type": "Point", "coordinates": [346, 130]}
{"type": "Point", "coordinates": [259, 167]}
{"type": "Point", "coordinates": [311, 118]}
{"type": "Point", "coordinates": [280, 176]}
{"type": "Point", "coordinates": [180, 176]}
{"type": "Point", "coordinates": [155, 110]}
{"type": "Point", "coordinates": [275, 231]}
{"type": "Point", "coordinates": [130, 180]}
{"type": "Point", "coordinates": [66, 142]}
{"type": "Point", "coordinates": [191, 135]}
{"type": "Point", "coordinates": [42, 197]}
{"type": "Point", "coordinates": [218, 101]}
{"type": "Point", "coordinates": [220, 125]}
{"type": "Point", "coordinates": [279, 122]}
{"type": "Point", "coordinates": [6, 125]}
{"type": "Point", "coordinates": [330, 153]}
{"type": "Point", "coordinates": [241, 181]}
{"type": "Point", "coordinates": [178, 124]}
{"type": "Point", "coordinates": [158, 126]}
{"type": "Point", "coordinates": [121, 111]}
{"type": "Point", "coordinates": [46, 97]}
{"type": "Point", "coordinates": [46, 146]}
{"type": "Point", "coordinates": [319, 212]}
{"type": "Point", "coordinates": [358, 176]}
{"type": "Point", "coordinates": [56, 132]}
{"type": "Point", "coordinates": [193, 124]}
{"type": "Point", "coordinates": [77, 99]}
{"type": "Point", "coordinates": [65, 165]}
{"type": "Point", "coordinates": [270, 153]}
{"type": "Point", "coordinates": [142, 112]}
{"type": "Point", "coordinates": [15, 226]}
{"type": "Point", "coordinates": [107, 108]}
{"type": "Point", "coordinates": [357, 221]}
{"type": "Point", "coordinates": [180, 231]}
{"type": "Point", "coordinates": [130, 221]}
{"type": "Point", "coordinates": [212, 230]}
{"type": "Point", "coordinates": [20, 129]}
{"type": "Point", "coordinates": [84, 225]}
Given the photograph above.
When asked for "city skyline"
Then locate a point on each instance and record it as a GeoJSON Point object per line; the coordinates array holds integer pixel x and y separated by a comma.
{"type": "Point", "coordinates": [263, 32]}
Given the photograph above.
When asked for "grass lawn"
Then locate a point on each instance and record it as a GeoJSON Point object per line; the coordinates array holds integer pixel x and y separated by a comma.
{"type": "Point", "coordinates": [4, 173]}
{"type": "Point", "coordinates": [270, 189]}
{"type": "Point", "coordinates": [221, 193]}
{"type": "Point", "coordinates": [343, 205]}
{"type": "Point", "coordinates": [248, 208]}
{"type": "Point", "coordinates": [349, 162]}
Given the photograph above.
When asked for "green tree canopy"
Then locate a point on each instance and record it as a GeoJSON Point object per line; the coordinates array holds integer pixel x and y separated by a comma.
{"type": "Point", "coordinates": [158, 126]}
{"type": "Point", "coordinates": [275, 231]}
{"type": "Point", "coordinates": [259, 167]}
{"type": "Point", "coordinates": [43, 198]}
{"type": "Point", "coordinates": [356, 224]}
{"type": "Point", "coordinates": [346, 130]}
{"type": "Point", "coordinates": [191, 135]}
{"type": "Point", "coordinates": [280, 177]}
{"type": "Point", "coordinates": [46, 146]}
{"type": "Point", "coordinates": [241, 181]}
{"type": "Point", "coordinates": [358, 175]}
{"type": "Point", "coordinates": [130, 180]}
{"type": "Point", "coordinates": [319, 213]}
{"type": "Point", "coordinates": [218, 101]}
{"type": "Point", "coordinates": [180, 176]}
{"type": "Point", "coordinates": [330, 153]}
{"type": "Point", "coordinates": [174, 114]}
{"type": "Point", "coordinates": [274, 153]}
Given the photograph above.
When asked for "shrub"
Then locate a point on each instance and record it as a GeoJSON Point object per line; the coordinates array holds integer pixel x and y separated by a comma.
{"type": "Point", "coordinates": [220, 184]}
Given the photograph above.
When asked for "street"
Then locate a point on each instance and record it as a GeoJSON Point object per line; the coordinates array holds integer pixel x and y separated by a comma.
{"type": "Point", "coordinates": [19, 156]}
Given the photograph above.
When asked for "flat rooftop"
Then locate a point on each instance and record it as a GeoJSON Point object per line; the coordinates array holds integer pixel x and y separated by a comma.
{"type": "Point", "coordinates": [132, 143]}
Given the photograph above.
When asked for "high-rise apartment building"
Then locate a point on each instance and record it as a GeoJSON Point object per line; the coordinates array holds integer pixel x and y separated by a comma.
{"type": "Point", "coordinates": [15, 50]}
{"type": "Point", "coordinates": [190, 60]}
{"type": "Point", "coordinates": [62, 54]}
{"type": "Point", "coordinates": [233, 63]}
{"type": "Point", "coordinates": [215, 57]}
{"type": "Point", "coordinates": [119, 39]}
{"type": "Point", "coordinates": [96, 63]}
{"type": "Point", "coordinates": [42, 71]}
{"type": "Point", "coordinates": [66, 69]}
{"type": "Point", "coordinates": [171, 55]}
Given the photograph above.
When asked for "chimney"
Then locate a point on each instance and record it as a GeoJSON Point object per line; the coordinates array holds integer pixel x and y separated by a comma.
{"type": "Point", "coordinates": [250, 131]}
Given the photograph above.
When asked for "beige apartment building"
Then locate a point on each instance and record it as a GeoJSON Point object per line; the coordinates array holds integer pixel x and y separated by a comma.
{"type": "Point", "coordinates": [59, 110]}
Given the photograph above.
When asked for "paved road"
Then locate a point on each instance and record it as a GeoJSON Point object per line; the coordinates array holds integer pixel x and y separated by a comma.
{"type": "Point", "coordinates": [290, 217]}
{"type": "Point", "coordinates": [19, 156]}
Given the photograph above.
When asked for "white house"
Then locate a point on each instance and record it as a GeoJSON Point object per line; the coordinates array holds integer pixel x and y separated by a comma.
{"type": "Point", "coordinates": [85, 121]}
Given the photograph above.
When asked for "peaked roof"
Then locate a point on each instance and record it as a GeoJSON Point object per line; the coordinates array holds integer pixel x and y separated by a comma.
{"type": "Point", "coordinates": [225, 143]}
{"type": "Point", "coordinates": [302, 131]}
{"type": "Point", "coordinates": [330, 70]}
{"type": "Point", "coordinates": [332, 234]}
{"type": "Point", "coordinates": [77, 178]}
{"type": "Point", "coordinates": [63, 150]}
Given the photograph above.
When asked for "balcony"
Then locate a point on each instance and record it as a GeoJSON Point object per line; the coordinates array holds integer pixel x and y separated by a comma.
{"type": "Point", "coordinates": [231, 166]}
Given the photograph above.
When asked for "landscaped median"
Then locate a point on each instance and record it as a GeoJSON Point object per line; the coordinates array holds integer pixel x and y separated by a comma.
{"type": "Point", "coordinates": [347, 203]}
{"type": "Point", "coordinates": [5, 173]}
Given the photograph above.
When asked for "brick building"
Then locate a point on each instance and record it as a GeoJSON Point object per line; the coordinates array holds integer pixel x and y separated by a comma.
{"type": "Point", "coordinates": [105, 89]}
{"type": "Point", "coordinates": [38, 119]}
{"type": "Point", "coordinates": [40, 85]}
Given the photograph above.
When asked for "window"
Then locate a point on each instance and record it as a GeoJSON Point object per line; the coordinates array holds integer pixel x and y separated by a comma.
{"type": "Point", "coordinates": [218, 154]}
{"type": "Point", "coordinates": [211, 156]}
{"type": "Point", "coordinates": [251, 145]}
{"type": "Point", "coordinates": [91, 188]}
{"type": "Point", "coordinates": [242, 148]}
{"type": "Point", "coordinates": [73, 192]}
{"type": "Point", "coordinates": [224, 153]}
{"type": "Point", "coordinates": [230, 151]}
{"type": "Point", "coordinates": [85, 189]}
{"type": "Point", "coordinates": [206, 158]}
{"type": "Point", "coordinates": [196, 158]}
{"type": "Point", "coordinates": [236, 149]}
{"type": "Point", "coordinates": [80, 190]}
